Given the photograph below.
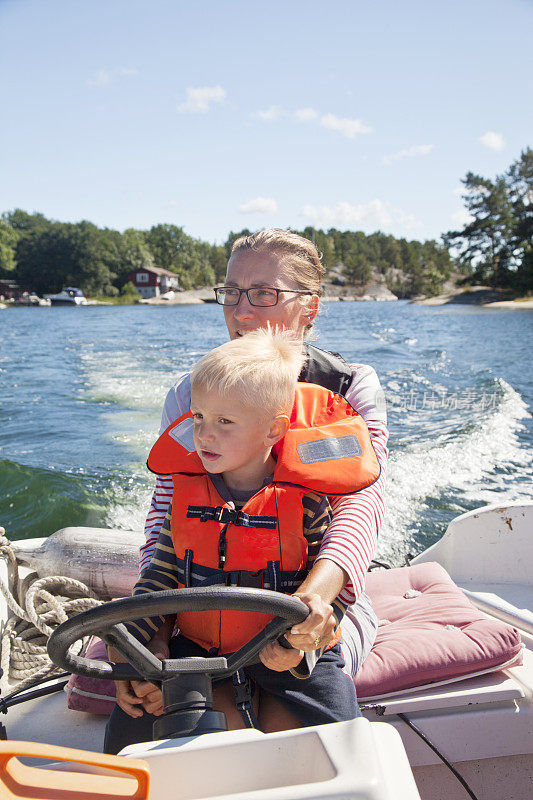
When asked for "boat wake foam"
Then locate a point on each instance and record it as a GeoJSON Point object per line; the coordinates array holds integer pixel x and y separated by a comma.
{"type": "Point", "coordinates": [483, 462]}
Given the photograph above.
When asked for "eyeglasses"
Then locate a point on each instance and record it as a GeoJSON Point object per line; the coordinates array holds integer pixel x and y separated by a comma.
{"type": "Point", "coordinates": [257, 295]}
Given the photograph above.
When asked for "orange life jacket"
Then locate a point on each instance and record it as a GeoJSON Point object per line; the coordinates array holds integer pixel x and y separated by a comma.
{"type": "Point", "coordinates": [327, 449]}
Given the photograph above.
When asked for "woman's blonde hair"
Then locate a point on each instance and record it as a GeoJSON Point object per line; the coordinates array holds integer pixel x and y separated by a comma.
{"type": "Point", "coordinates": [298, 255]}
{"type": "Point", "coordinates": [261, 368]}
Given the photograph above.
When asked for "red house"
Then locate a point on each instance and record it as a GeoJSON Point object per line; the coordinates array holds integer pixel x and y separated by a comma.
{"type": "Point", "coordinates": [154, 281]}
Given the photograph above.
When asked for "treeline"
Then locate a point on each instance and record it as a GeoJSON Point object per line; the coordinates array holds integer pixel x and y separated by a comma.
{"type": "Point", "coordinates": [496, 246]}
{"type": "Point", "coordinates": [408, 268]}
{"type": "Point", "coordinates": [45, 255]}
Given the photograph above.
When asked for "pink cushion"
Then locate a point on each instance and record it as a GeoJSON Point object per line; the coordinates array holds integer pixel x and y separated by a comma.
{"type": "Point", "coordinates": [93, 695]}
{"type": "Point", "coordinates": [429, 631]}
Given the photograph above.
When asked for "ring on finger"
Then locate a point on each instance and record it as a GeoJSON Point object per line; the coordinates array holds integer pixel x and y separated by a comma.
{"type": "Point", "coordinates": [318, 639]}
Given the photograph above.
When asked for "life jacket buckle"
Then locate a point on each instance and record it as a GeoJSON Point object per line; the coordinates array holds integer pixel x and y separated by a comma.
{"type": "Point", "coordinates": [251, 580]}
{"type": "Point", "coordinates": [243, 692]}
{"type": "Point", "coordinates": [219, 513]}
{"type": "Point", "coordinates": [225, 515]}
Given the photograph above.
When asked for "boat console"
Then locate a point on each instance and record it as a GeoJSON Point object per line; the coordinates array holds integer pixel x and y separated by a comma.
{"type": "Point", "coordinates": [350, 759]}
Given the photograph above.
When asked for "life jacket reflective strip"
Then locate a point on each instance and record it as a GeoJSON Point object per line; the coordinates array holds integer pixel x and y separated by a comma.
{"type": "Point", "coordinates": [327, 449]}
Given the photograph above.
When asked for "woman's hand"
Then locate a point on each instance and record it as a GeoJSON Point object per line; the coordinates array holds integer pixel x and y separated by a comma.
{"type": "Point", "coordinates": [279, 658]}
{"type": "Point", "coordinates": [315, 631]}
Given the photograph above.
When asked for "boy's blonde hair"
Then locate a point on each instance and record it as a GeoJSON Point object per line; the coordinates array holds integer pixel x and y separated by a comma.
{"type": "Point", "coordinates": [262, 368]}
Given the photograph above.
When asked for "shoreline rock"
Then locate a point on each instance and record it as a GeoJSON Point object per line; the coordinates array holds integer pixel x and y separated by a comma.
{"type": "Point", "coordinates": [484, 296]}
{"type": "Point", "coordinates": [191, 297]}
{"type": "Point", "coordinates": [513, 304]}
{"type": "Point", "coordinates": [373, 292]}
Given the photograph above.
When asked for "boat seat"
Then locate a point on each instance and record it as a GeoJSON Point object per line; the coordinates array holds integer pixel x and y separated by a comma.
{"type": "Point", "coordinates": [429, 634]}
{"type": "Point", "coordinates": [499, 686]}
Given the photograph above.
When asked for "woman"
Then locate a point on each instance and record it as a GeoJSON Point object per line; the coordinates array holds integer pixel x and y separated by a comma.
{"type": "Point", "coordinates": [274, 276]}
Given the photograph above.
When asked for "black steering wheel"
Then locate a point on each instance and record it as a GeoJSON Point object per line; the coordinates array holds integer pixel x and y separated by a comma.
{"type": "Point", "coordinates": [107, 621]}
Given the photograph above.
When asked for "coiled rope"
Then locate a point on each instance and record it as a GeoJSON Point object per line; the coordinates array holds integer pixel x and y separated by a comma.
{"type": "Point", "coordinates": [47, 603]}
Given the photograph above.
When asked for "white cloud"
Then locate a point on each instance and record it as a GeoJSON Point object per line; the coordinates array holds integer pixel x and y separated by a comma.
{"type": "Point", "coordinates": [269, 114]}
{"type": "Point", "coordinates": [306, 114]}
{"type": "Point", "coordinates": [374, 214]}
{"type": "Point", "coordinates": [343, 125]}
{"type": "Point", "coordinates": [200, 98]}
{"type": "Point", "coordinates": [474, 190]}
{"type": "Point", "coordinates": [462, 218]}
{"type": "Point", "coordinates": [492, 140]}
{"type": "Point", "coordinates": [347, 127]}
{"type": "Point", "coordinates": [105, 76]}
{"type": "Point", "coordinates": [101, 78]}
{"type": "Point", "coordinates": [409, 152]}
{"type": "Point", "coordinates": [260, 205]}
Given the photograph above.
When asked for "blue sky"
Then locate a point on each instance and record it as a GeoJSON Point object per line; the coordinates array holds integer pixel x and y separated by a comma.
{"type": "Point", "coordinates": [221, 115]}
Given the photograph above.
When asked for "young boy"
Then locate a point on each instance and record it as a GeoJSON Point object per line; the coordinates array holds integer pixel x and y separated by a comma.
{"type": "Point", "coordinates": [247, 463]}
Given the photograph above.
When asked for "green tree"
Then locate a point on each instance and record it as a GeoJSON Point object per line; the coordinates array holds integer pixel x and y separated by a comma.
{"type": "Point", "coordinates": [520, 191]}
{"type": "Point", "coordinates": [167, 244]}
{"type": "Point", "coordinates": [25, 223]}
{"type": "Point", "coordinates": [218, 261]}
{"type": "Point", "coordinates": [132, 253]}
{"type": "Point", "coordinates": [129, 291]}
{"type": "Point", "coordinates": [8, 245]}
{"type": "Point", "coordinates": [232, 237]}
{"type": "Point", "coordinates": [67, 254]}
{"type": "Point", "coordinates": [174, 250]}
{"type": "Point", "coordinates": [495, 245]}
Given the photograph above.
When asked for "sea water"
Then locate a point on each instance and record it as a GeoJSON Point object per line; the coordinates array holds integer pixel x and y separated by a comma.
{"type": "Point", "coordinates": [81, 393]}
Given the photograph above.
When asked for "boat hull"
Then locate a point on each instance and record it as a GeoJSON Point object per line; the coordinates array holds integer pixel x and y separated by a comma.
{"type": "Point", "coordinates": [67, 303]}
{"type": "Point", "coordinates": [483, 725]}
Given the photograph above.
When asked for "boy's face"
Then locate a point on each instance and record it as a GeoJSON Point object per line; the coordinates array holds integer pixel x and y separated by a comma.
{"type": "Point", "coordinates": [229, 437]}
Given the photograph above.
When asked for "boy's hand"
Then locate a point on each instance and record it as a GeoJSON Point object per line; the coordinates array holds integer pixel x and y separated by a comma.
{"type": "Point", "coordinates": [127, 699]}
{"type": "Point", "coordinates": [133, 696]}
{"type": "Point", "coordinates": [278, 658]}
{"type": "Point", "coordinates": [152, 696]}
{"type": "Point", "coordinates": [317, 630]}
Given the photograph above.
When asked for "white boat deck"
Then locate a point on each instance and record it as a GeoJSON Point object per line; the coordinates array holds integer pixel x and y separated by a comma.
{"type": "Point", "coordinates": [485, 720]}
{"type": "Point", "coordinates": [457, 716]}
{"type": "Point", "coordinates": [48, 720]}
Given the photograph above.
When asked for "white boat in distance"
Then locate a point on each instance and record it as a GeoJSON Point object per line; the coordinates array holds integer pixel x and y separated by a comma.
{"type": "Point", "coordinates": [69, 296]}
{"type": "Point", "coordinates": [482, 722]}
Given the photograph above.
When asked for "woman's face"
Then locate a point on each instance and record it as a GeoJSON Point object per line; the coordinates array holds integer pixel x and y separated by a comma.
{"type": "Point", "coordinates": [247, 269]}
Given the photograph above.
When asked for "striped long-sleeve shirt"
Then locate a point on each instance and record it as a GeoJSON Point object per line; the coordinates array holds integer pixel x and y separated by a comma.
{"type": "Point", "coordinates": [351, 538]}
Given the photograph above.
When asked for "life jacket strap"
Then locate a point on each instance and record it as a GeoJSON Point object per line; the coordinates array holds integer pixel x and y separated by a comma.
{"type": "Point", "coordinates": [272, 577]}
{"type": "Point", "coordinates": [242, 688]}
{"type": "Point", "coordinates": [227, 515]}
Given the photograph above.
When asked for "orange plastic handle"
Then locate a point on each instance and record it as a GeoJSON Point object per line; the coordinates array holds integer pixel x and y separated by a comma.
{"type": "Point", "coordinates": [130, 781]}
